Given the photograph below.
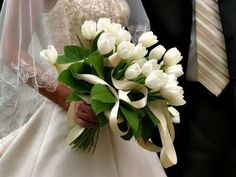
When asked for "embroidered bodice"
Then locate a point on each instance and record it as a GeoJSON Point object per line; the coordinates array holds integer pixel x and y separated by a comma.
{"type": "Point", "coordinates": [64, 20]}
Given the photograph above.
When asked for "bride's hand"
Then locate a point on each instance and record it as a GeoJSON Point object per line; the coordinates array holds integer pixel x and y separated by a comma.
{"type": "Point", "coordinates": [84, 115]}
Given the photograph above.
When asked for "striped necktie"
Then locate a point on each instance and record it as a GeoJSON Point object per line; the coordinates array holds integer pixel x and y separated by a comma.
{"type": "Point", "coordinates": [212, 68]}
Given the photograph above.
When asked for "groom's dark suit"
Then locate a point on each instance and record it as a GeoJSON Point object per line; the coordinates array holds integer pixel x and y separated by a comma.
{"type": "Point", "coordinates": [206, 137]}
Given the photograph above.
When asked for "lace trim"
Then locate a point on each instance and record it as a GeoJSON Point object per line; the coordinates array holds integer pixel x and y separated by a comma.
{"type": "Point", "coordinates": [43, 79]}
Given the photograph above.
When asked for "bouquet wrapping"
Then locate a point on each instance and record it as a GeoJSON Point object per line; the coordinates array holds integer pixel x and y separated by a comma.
{"type": "Point", "coordinates": [133, 88]}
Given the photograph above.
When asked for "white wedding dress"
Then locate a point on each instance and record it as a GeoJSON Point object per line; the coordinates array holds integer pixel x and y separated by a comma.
{"type": "Point", "coordinates": [38, 149]}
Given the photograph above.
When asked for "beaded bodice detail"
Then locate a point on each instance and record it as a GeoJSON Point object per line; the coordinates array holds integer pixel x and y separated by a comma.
{"type": "Point", "coordinates": [64, 20]}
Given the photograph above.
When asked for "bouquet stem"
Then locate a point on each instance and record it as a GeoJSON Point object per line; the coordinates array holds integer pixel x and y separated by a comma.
{"type": "Point", "coordinates": [87, 141]}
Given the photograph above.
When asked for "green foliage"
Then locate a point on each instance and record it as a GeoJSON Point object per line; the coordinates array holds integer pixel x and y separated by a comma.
{"type": "Point", "coordinates": [140, 79]}
{"type": "Point", "coordinates": [75, 53]}
{"type": "Point", "coordinates": [79, 68]}
{"type": "Point", "coordinates": [120, 69]}
{"type": "Point", "coordinates": [102, 93]}
{"type": "Point", "coordinates": [79, 86]}
{"type": "Point", "coordinates": [97, 62]}
{"type": "Point", "coordinates": [99, 107]}
{"type": "Point", "coordinates": [73, 97]}
{"type": "Point", "coordinates": [147, 127]}
{"type": "Point", "coordinates": [132, 118]}
{"type": "Point", "coordinates": [62, 59]}
{"type": "Point", "coordinates": [102, 120]}
{"type": "Point", "coordinates": [95, 41]}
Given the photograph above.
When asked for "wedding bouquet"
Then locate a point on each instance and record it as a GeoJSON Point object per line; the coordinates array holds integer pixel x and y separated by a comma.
{"type": "Point", "coordinates": [131, 87]}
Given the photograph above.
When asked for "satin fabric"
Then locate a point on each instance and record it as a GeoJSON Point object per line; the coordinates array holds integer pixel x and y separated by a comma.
{"type": "Point", "coordinates": [39, 150]}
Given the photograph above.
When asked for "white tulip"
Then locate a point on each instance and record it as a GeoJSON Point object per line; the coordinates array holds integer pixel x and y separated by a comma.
{"type": "Point", "coordinates": [157, 52]}
{"type": "Point", "coordinates": [133, 71]}
{"type": "Point", "coordinates": [173, 93]}
{"type": "Point", "coordinates": [172, 79]}
{"type": "Point", "coordinates": [89, 29]}
{"type": "Point", "coordinates": [106, 43]}
{"type": "Point", "coordinates": [125, 50]}
{"type": "Point", "coordinates": [177, 70]}
{"type": "Point", "coordinates": [149, 67]}
{"type": "Point", "coordinates": [174, 114]}
{"type": "Point", "coordinates": [172, 57]}
{"type": "Point", "coordinates": [156, 80]}
{"type": "Point", "coordinates": [148, 39]}
{"type": "Point", "coordinates": [103, 24]}
{"type": "Point", "coordinates": [141, 62]}
{"type": "Point", "coordinates": [114, 28]}
{"type": "Point", "coordinates": [50, 55]}
{"type": "Point", "coordinates": [139, 52]}
{"type": "Point", "coordinates": [114, 59]}
{"type": "Point", "coordinates": [123, 35]}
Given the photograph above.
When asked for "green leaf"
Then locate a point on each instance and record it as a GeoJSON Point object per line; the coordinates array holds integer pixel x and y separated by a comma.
{"type": "Point", "coordinates": [99, 107]}
{"type": "Point", "coordinates": [147, 128]}
{"type": "Point", "coordinates": [132, 118]}
{"type": "Point", "coordinates": [75, 53]}
{"type": "Point", "coordinates": [79, 68]}
{"type": "Point", "coordinates": [67, 79]}
{"type": "Point", "coordinates": [102, 120]}
{"type": "Point", "coordinates": [73, 96]}
{"type": "Point", "coordinates": [62, 59]}
{"type": "Point", "coordinates": [102, 93]}
{"type": "Point", "coordinates": [97, 61]}
{"type": "Point", "coordinates": [119, 71]}
{"type": "Point", "coordinates": [151, 116]}
{"type": "Point", "coordinates": [138, 133]}
{"type": "Point", "coordinates": [140, 79]}
{"type": "Point", "coordinates": [95, 41]}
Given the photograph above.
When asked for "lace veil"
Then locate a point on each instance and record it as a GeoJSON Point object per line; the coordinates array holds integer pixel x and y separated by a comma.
{"type": "Point", "coordinates": [24, 32]}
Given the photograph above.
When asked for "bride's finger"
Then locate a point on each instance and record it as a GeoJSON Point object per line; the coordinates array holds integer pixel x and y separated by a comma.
{"type": "Point", "coordinates": [87, 117]}
{"type": "Point", "coordinates": [85, 124]}
{"type": "Point", "coordinates": [82, 106]}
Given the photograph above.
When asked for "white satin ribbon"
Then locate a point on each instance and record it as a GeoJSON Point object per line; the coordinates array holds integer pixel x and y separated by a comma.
{"type": "Point", "coordinates": [168, 155]}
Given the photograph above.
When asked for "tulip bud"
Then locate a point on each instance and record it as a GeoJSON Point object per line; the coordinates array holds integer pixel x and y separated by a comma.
{"type": "Point", "coordinates": [174, 114]}
{"type": "Point", "coordinates": [106, 43]}
{"type": "Point", "coordinates": [133, 71]}
{"type": "Point", "coordinates": [157, 52]}
{"type": "Point", "coordinates": [114, 28]}
{"type": "Point", "coordinates": [103, 24]}
{"type": "Point", "coordinates": [141, 62]}
{"type": "Point", "coordinates": [173, 93]}
{"type": "Point", "coordinates": [148, 39]}
{"type": "Point", "coordinates": [88, 29]}
{"type": "Point", "coordinates": [50, 54]}
{"type": "Point", "coordinates": [125, 50]}
{"type": "Point", "coordinates": [172, 57]}
{"type": "Point", "coordinates": [149, 67]}
{"type": "Point", "coordinates": [139, 52]}
{"type": "Point", "coordinates": [156, 80]}
{"type": "Point", "coordinates": [114, 59]}
{"type": "Point", "coordinates": [177, 70]}
{"type": "Point", "coordinates": [123, 35]}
